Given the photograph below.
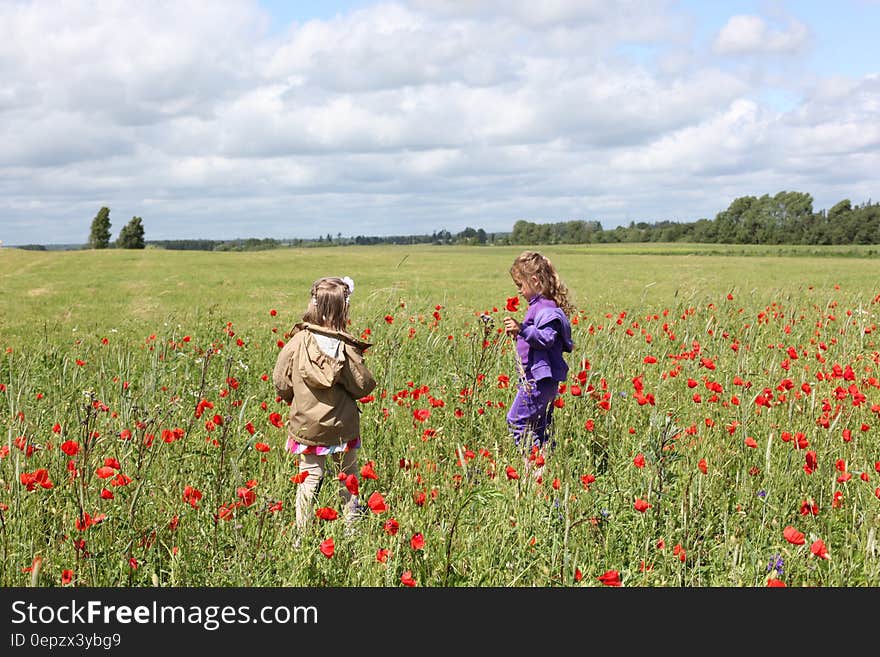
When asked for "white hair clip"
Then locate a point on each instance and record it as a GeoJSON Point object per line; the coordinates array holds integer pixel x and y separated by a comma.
{"type": "Point", "coordinates": [350, 283]}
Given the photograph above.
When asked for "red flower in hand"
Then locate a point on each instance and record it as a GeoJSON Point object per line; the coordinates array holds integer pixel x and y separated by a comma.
{"type": "Point", "coordinates": [512, 304]}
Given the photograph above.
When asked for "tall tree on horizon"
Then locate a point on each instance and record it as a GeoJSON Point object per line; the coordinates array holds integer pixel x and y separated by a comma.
{"type": "Point", "coordinates": [132, 235]}
{"type": "Point", "coordinates": [99, 238]}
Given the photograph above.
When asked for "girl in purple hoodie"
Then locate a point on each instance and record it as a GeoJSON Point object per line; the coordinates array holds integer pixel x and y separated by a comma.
{"type": "Point", "coordinates": [541, 339]}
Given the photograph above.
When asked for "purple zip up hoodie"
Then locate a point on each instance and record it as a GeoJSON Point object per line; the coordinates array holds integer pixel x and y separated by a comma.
{"type": "Point", "coordinates": [544, 334]}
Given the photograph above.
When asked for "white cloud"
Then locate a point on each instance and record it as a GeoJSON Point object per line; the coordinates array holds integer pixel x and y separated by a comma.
{"type": "Point", "coordinates": [747, 34]}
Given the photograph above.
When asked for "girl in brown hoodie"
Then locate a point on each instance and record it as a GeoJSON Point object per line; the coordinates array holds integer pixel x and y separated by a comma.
{"type": "Point", "coordinates": [321, 373]}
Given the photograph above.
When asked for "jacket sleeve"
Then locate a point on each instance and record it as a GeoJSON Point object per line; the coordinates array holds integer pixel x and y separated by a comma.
{"type": "Point", "coordinates": [539, 337]}
{"type": "Point", "coordinates": [356, 377]}
{"type": "Point", "coordinates": [281, 375]}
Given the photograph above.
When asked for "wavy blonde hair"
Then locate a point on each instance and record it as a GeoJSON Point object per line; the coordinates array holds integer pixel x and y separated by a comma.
{"type": "Point", "coordinates": [328, 303]}
{"type": "Point", "coordinates": [532, 263]}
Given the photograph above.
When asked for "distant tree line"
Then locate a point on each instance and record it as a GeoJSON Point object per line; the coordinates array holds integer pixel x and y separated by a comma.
{"type": "Point", "coordinates": [786, 218]}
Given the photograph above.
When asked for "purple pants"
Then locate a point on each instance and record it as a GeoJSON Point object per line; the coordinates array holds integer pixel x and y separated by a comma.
{"type": "Point", "coordinates": [531, 412]}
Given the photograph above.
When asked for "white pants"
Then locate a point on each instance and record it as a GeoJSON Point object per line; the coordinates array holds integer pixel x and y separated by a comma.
{"type": "Point", "coordinates": [307, 491]}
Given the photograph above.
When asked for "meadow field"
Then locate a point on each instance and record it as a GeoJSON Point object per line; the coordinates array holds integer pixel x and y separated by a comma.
{"type": "Point", "coordinates": [720, 426]}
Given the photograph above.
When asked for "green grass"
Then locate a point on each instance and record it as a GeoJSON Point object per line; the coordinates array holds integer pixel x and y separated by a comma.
{"type": "Point", "coordinates": [94, 345]}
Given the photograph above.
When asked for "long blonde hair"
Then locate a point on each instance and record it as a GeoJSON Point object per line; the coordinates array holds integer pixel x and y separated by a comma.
{"type": "Point", "coordinates": [532, 263]}
{"type": "Point", "coordinates": [328, 303]}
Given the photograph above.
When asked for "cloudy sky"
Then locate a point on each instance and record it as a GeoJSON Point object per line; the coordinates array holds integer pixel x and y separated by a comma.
{"type": "Point", "coordinates": [241, 118]}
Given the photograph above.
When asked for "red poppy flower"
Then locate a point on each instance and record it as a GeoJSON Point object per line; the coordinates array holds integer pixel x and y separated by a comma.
{"type": "Point", "coordinates": [702, 466]}
{"type": "Point", "coordinates": [818, 548]}
{"type": "Point", "coordinates": [639, 461]}
{"type": "Point", "coordinates": [192, 495]}
{"type": "Point", "coordinates": [351, 483]}
{"type": "Point", "coordinates": [407, 579]}
{"type": "Point", "coordinates": [809, 508]}
{"type": "Point", "coordinates": [750, 442]}
{"type": "Point", "coordinates": [793, 536]}
{"type": "Point", "coordinates": [512, 304]}
{"type": "Point", "coordinates": [377, 503]}
{"type": "Point", "coordinates": [70, 447]}
{"type": "Point", "coordinates": [391, 527]}
{"type": "Point", "coordinates": [775, 583]}
{"type": "Point", "coordinates": [610, 578]}
{"type": "Point", "coordinates": [261, 447]}
{"type": "Point", "coordinates": [275, 419]}
{"type": "Point", "coordinates": [327, 547]}
{"type": "Point", "coordinates": [246, 495]}
{"type": "Point", "coordinates": [301, 477]}
{"type": "Point", "coordinates": [66, 577]}
{"type": "Point", "coordinates": [512, 473]}
{"type": "Point", "coordinates": [367, 471]}
{"type": "Point", "coordinates": [811, 462]}
{"type": "Point", "coordinates": [326, 513]}
{"type": "Point", "coordinates": [382, 555]}
{"type": "Point", "coordinates": [105, 471]}
{"type": "Point", "coordinates": [417, 542]}
{"type": "Point", "coordinates": [421, 414]}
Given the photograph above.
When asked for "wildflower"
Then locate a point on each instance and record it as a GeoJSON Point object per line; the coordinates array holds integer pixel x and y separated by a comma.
{"type": "Point", "coordinates": [246, 495]}
{"type": "Point", "coordinates": [639, 461]}
{"type": "Point", "coordinates": [702, 466]}
{"type": "Point", "coordinates": [407, 579]}
{"type": "Point", "coordinates": [777, 564]}
{"type": "Point", "coordinates": [261, 447]}
{"type": "Point", "coordinates": [382, 555]}
{"type": "Point", "coordinates": [326, 513]}
{"type": "Point", "coordinates": [66, 577]}
{"type": "Point", "coordinates": [775, 583]}
{"type": "Point", "coordinates": [327, 547]}
{"type": "Point", "coordinates": [511, 472]}
{"type": "Point", "coordinates": [70, 447]}
{"type": "Point", "coordinates": [512, 304]}
{"type": "Point", "coordinates": [105, 471]}
{"type": "Point", "coordinates": [793, 536]}
{"type": "Point", "coordinates": [818, 549]}
{"type": "Point", "coordinates": [417, 541]}
{"type": "Point", "coordinates": [391, 527]}
{"type": "Point", "coordinates": [376, 503]}
{"type": "Point", "coordinates": [610, 578]}
{"type": "Point", "coordinates": [275, 419]}
{"type": "Point", "coordinates": [367, 471]}
{"type": "Point", "coordinates": [192, 496]}
{"type": "Point", "coordinates": [641, 505]}
{"type": "Point", "coordinates": [811, 462]}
